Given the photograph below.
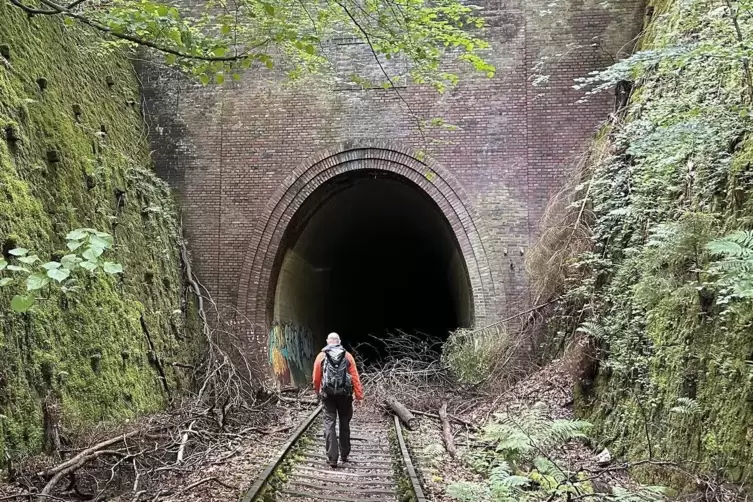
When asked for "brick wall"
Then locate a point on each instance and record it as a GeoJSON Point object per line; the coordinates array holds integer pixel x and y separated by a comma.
{"type": "Point", "coordinates": [229, 151]}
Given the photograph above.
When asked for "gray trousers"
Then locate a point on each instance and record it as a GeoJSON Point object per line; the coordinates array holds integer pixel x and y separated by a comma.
{"type": "Point", "coordinates": [337, 407]}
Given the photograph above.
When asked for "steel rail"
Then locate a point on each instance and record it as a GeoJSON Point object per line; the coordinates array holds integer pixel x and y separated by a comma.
{"type": "Point", "coordinates": [262, 480]}
{"type": "Point", "coordinates": [267, 473]}
{"type": "Point", "coordinates": [415, 483]}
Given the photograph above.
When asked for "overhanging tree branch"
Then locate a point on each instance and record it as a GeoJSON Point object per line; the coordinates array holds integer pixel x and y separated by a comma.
{"type": "Point", "coordinates": [56, 9]}
{"type": "Point", "coordinates": [381, 67]}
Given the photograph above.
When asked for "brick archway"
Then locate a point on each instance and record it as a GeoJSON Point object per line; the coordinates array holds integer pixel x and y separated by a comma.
{"type": "Point", "coordinates": [258, 275]}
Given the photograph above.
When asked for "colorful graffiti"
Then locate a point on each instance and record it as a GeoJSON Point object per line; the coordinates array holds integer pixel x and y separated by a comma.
{"type": "Point", "coordinates": [291, 353]}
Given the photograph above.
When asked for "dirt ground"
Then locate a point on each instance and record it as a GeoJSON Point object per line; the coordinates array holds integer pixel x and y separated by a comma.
{"type": "Point", "coordinates": [217, 471]}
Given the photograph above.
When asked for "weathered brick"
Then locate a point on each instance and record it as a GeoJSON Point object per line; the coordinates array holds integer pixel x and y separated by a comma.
{"type": "Point", "coordinates": [244, 156]}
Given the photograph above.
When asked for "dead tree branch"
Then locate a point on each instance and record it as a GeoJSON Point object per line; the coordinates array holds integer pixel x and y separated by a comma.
{"type": "Point", "coordinates": [449, 441]}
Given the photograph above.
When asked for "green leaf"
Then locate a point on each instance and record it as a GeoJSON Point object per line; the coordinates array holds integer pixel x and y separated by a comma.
{"type": "Point", "coordinates": [219, 78]}
{"type": "Point", "coordinates": [77, 235]}
{"type": "Point", "coordinates": [5, 281]}
{"type": "Point", "coordinates": [92, 253]}
{"type": "Point", "coordinates": [310, 49]}
{"type": "Point", "coordinates": [59, 274]}
{"type": "Point", "coordinates": [269, 9]}
{"type": "Point", "coordinates": [89, 265]}
{"type": "Point", "coordinates": [22, 303]}
{"type": "Point", "coordinates": [70, 261]}
{"type": "Point", "coordinates": [16, 268]}
{"type": "Point", "coordinates": [74, 245]}
{"type": "Point", "coordinates": [104, 242]}
{"type": "Point", "coordinates": [112, 268]}
{"type": "Point", "coordinates": [18, 251]}
{"type": "Point", "coordinates": [219, 51]}
{"type": "Point", "coordinates": [236, 77]}
{"type": "Point", "coordinates": [29, 260]}
{"type": "Point", "coordinates": [225, 29]}
{"type": "Point", "coordinates": [3, 264]}
{"type": "Point", "coordinates": [162, 10]}
{"type": "Point", "coordinates": [204, 78]}
{"type": "Point", "coordinates": [36, 281]}
{"type": "Point", "coordinates": [52, 264]}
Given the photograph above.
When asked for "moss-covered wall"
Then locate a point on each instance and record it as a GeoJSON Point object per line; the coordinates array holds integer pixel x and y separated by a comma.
{"type": "Point", "coordinates": [85, 350]}
{"type": "Point", "coordinates": [676, 378]}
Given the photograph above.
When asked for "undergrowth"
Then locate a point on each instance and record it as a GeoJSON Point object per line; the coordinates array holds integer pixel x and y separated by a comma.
{"type": "Point", "coordinates": [517, 463]}
{"type": "Point", "coordinates": [661, 294]}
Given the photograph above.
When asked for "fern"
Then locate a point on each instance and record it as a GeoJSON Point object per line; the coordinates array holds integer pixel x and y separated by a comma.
{"type": "Point", "coordinates": [550, 472]}
{"type": "Point", "coordinates": [468, 492]}
{"type": "Point", "coordinates": [735, 245]}
{"type": "Point", "coordinates": [735, 264]}
{"type": "Point", "coordinates": [643, 494]}
{"type": "Point", "coordinates": [686, 406]}
{"type": "Point", "coordinates": [522, 436]}
{"type": "Point", "coordinates": [504, 485]}
{"type": "Point", "coordinates": [500, 472]}
{"type": "Point", "coordinates": [518, 470]}
{"type": "Point", "coordinates": [433, 453]}
{"type": "Point", "coordinates": [591, 329]}
{"type": "Point", "coordinates": [433, 450]}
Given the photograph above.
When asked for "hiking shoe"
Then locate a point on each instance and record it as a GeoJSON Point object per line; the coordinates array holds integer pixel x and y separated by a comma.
{"type": "Point", "coordinates": [333, 465]}
{"type": "Point", "coordinates": [345, 459]}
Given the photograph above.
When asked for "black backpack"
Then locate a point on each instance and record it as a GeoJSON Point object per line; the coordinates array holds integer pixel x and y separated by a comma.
{"type": "Point", "coordinates": [336, 380]}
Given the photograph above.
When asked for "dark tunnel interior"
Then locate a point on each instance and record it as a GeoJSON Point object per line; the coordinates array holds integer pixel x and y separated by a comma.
{"type": "Point", "coordinates": [368, 254]}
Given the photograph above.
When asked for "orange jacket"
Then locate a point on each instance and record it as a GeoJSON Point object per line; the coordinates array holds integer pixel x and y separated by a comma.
{"type": "Point", "coordinates": [357, 388]}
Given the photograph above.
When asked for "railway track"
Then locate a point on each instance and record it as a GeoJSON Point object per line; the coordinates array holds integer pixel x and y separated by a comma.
{"type": "Point", "coordinates": [379, 468]}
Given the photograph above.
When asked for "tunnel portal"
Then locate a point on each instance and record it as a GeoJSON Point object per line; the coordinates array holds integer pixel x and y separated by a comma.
{"type": "Point", "coordinates": [368, 253]}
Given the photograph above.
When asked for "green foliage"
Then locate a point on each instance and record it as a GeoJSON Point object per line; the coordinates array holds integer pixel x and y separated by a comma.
{"type": "Point", "coordinates": [686, 406]}
{"type": "Point", "coordinates": [518, 464]}
{"type": "Point", "coordinates": [643, 494]}
{"type": "Point", "coordinates": [665, 289]}
{"type": "Point", "coordinates": [87, 246]}
{"type": "Point", "coordinates": [473, 355]}
{"type": "Point", "coordinates": [521, 437]}
{"type": "Point", "coordinates": [466, 491]}
{"type": "Point", "coordinates": [734, 269]}
{"type": "Point", "coordinates": [48, 352]}
{"type": "Point", "coordinates": [224, 39]}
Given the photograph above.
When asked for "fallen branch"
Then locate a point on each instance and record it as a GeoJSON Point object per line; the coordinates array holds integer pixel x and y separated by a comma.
{"type": "Point", "coordinates": [402, 412]}
{"type": "Point", "coordinates": [183, 442]}
{"type": "Point", "coordinates": [449, 441]}
{"type": "Point", "coordinates": [86, 453]}
{"type": "Point", "coordinates": [166, 493]}
{"type": "Point", "coordinates": [451, 417]}
{"type": "Point", "coordinates": [298, 400]}
{"type": "Point", "coordinates": [29, 496]}
{"type": "Point", "coordinates": [207, 480]}
{"type": "Point", "coordinates": [259, 430]}
{"type": "Point", "coordinates": [75, 466]}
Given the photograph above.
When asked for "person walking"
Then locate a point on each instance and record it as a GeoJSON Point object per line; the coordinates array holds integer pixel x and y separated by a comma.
{"type": "Point", "coordinates": [335, 381]}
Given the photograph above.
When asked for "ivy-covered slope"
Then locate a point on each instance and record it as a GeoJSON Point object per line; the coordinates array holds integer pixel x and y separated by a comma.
{"type": "Point", "coordinates": [672, 314]}
{"type": "Point", "coordinates": [83, 355]}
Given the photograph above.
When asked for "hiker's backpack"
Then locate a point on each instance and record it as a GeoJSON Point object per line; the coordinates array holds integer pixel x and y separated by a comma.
{"type": "Point", "coordinates": [336, 380]}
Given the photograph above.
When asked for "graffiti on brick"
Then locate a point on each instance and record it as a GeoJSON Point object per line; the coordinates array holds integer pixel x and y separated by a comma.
{"type": "Point", "coordinates": [291, 353]}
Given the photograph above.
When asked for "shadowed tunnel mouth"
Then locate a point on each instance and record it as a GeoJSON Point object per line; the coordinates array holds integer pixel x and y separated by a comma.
{"type": "Point", "coordinates": [369, 254]}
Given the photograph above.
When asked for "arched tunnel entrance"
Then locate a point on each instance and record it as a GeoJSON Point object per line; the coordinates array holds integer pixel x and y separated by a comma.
{"type": "Point", "coordinates": [367, 254]}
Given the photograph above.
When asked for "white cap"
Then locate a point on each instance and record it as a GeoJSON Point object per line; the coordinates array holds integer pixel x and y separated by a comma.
{"type": "Point", "coordinates": [333, 339]}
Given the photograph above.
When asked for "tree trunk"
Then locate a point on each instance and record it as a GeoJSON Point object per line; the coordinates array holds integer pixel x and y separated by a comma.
{"type": "Point", "coordinates": [449, 441]}
{"type": "Point", "coordinates": [402, 412]}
